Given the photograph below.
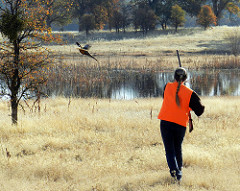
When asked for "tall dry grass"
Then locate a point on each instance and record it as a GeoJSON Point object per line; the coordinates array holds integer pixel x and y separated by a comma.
{"type": "Point", "coordinates": [198, 49]}
{"type": "Point", "coordinates": [115, 145]}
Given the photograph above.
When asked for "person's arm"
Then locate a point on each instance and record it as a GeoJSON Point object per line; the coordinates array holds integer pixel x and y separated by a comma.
{"type": "Point", "coordinates": [196, 105]}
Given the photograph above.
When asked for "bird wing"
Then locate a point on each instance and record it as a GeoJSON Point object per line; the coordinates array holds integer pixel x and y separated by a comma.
{"type": "Point", "coordinates": [79, 44]}
{"type": "Point", "coordinates": [87, 46]}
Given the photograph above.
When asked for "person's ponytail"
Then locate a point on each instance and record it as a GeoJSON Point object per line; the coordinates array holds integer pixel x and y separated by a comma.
{"type": "Point", "coordinates": [177, 97]}
{"type": "Point", "coordinates": [180, 76]}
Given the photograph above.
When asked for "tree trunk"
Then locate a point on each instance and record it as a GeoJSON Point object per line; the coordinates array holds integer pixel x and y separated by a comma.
{"type": "Point", "coordinates": [218, 7]}
{"type": "Point", "coordinates": [164, 25]}
{"type": "Point", "coordinates": [87, 32]}
{"type": "Point", "coordinates": [15, 83]}
{"type": "Point", "coordinates": [176, 28]}
{"type": "Point", "coordinates": [48, 20]}
{"type": "Point", "coordinates": [14, 108]}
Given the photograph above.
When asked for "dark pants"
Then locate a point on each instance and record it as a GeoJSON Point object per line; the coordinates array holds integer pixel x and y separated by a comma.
{"type": "Point", "coordinates": [172, 135]}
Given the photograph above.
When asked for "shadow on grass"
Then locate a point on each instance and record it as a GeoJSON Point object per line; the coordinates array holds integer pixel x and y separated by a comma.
{"type": "Point", "coordinates": [217, 47]}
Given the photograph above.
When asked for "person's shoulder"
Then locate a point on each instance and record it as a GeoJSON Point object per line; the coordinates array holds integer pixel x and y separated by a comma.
{"type": "Point", "coordinates": [168, 84]}
{"type": "Point", "coordinates": [195, 96]}
{"type": "Point", "coordinates": [187, 88]}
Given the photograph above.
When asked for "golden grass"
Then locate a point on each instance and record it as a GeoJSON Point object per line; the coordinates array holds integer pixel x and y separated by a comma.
{"type": "Point", "coordinates": [198, 48]}
{"type": "Point", "coordinates": [115, 145]}
{"type": "Point", "coordinates": [192, 39]}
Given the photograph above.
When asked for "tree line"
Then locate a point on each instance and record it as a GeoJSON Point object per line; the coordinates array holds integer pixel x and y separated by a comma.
{"type": "Point", "coordinates": [143, 15]}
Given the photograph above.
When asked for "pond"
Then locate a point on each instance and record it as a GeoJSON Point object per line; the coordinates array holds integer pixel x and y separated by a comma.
{"type": "Point", "coordinates": [131, 84]}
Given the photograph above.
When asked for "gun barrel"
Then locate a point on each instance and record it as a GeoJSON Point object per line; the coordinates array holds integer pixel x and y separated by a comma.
{"type": "Point", "coordinates": [179, 61]}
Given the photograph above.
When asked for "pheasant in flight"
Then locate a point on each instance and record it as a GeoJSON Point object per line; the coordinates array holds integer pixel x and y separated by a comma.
{"type": "Point", "coordinates": [84, 50]}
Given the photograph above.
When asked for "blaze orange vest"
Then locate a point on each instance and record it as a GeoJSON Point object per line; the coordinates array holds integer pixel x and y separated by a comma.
{"type": "Point", "coordinates": [170, 111]}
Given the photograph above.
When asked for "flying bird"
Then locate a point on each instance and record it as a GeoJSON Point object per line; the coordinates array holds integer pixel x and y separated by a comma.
{"type": "Point", "coordinates": [84, 50]}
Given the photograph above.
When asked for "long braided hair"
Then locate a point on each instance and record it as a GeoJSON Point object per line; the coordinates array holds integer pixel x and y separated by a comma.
{"type": "Point", "coordinates": [180, 76]}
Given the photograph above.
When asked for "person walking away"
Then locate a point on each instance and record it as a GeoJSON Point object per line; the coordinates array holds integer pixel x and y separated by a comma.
{"type": "Point", "coordinates": [178, 100]}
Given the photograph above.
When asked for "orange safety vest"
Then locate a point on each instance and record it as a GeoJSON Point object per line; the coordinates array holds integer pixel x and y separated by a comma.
{"type": "Point", "coordinates": [170, 111]}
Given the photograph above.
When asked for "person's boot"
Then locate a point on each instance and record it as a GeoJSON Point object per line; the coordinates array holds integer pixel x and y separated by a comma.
{"type": "Point", "coordinates": [173, 174]}
{"type": "Point", "coordinates": [179, 175]}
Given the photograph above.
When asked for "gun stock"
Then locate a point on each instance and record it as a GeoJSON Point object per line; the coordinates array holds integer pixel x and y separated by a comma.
{"type": "Point", "coordinates": [190, 123]}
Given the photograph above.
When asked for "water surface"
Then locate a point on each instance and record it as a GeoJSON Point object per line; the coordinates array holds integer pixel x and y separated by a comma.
{"type": "Point", "coordinates": [131, 84]}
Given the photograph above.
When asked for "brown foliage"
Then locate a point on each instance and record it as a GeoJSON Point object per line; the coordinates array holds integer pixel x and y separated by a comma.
{"type": "Point", "coordinates": [23, 64]}
{"type": "Point", "coordinates": [206, 17]}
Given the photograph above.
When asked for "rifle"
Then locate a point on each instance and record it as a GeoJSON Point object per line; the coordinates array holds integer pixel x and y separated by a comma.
{"type": "Point", "coordinates": [190, 123]}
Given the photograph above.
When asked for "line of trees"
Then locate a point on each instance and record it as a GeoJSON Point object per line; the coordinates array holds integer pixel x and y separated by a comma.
{"type": "Point", "coordinates": [141, 14]}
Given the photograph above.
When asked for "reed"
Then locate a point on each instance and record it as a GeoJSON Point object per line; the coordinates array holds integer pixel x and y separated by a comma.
{"type": "Point", "coordinates": [113, 145]}
{"type": "Point", "coordinates": [199, 49]}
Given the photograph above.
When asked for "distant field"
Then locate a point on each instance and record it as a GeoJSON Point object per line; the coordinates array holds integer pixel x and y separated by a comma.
{"type": "Point", "coordinates": [190, 40]}
{"type": "Point", "coordinates": [198, 48]}
{"type": "Point", "coordinates": [157, 50]}
{"type": "Point", "coordinates": [115, 145]}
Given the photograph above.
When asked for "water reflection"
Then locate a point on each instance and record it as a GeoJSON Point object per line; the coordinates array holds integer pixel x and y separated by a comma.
{"type": "Point", "coordinates": [216, 83]}
{"type": "Point", "coordinates": [130, 84]}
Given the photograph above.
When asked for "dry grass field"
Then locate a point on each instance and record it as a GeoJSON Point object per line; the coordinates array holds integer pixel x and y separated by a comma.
{"type": "Point", "coordinates": [115, 145]}
{"type": "Point", "coordinates": [198, 48]}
